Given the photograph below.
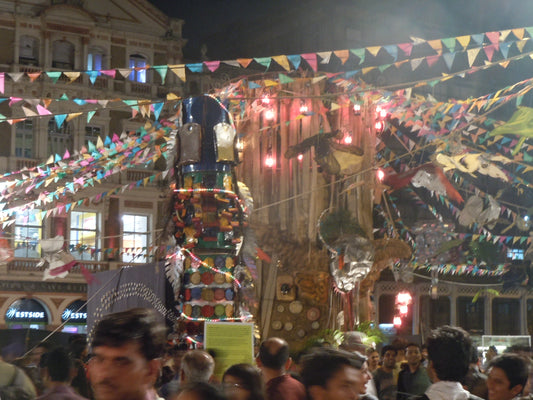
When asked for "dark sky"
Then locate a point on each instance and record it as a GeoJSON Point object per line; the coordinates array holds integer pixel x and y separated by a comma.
{"type": "Point", "coordinates": [205, 18]}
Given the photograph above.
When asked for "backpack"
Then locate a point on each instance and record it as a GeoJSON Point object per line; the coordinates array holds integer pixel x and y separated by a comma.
{"type": "Point", "coordinates": [12, 391]}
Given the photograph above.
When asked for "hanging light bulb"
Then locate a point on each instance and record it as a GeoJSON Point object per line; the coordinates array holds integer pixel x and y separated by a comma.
{"type": "Point", "coordinates": [380, 174]}
{"type": "Point", "coordinates": [357, 109]}
{"type": "Point", "coordinates": [348, 139]}
{"type": "Point", "coordinates": [269, 114]}
{"type": "Point", "coordinates": [265, 100]}
{"type": "Point", "coordinates": [379, 126]}
{"type": "Point", "coordinates": [383, 113]}
{"type": "Point", "coordinates": [300, 157]}
{"type": "Point", "coordinates": [270, 161]}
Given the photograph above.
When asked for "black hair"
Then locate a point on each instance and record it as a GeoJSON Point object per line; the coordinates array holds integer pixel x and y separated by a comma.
{"type": "Point", "coordinates": [321, 365]}
{"type": "Point", "coordinates": [59, 364]}
{"type": "Point", "coordinates": [449, 350]}
{"type": "Point", "coordinates": [412, 344]}
{"type": "Point", "coordinates": [387, 348]}
{"type": "Point", "coordinates": [251, 378]}
{"type": "Point", "coordinates": [515, 368]}
{"type": "Point", "coordinates": [139, 325]}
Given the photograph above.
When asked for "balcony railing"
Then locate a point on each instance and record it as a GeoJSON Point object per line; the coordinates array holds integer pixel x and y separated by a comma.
{"type": "Point", "coordinates": [22, 265]}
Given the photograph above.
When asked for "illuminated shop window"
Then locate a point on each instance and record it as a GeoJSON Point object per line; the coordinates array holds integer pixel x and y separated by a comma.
{"type": "Point", "coordinates": [28, 232]}
{"type": "Point", "coordinates": [135, 237]}
{"type": "Point", "coordinates": [138, 64]}
{"type": "Point", "coordinates": [84, 228]}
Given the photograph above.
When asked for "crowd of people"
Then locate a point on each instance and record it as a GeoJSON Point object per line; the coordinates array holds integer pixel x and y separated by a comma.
{"type": "Point", "coordinates": [130, 359]}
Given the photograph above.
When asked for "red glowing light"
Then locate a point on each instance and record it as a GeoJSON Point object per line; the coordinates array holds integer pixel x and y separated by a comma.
{"type": "Point", "coordinates": [383, 113]}
{"type": "Point", "coordinates": [270, 161]}
{"type": "Point", "coordinates": [303, 109]}
{"type": "Point", "coordinates": [300, 157]}
{"type": "Point", "coordinates": [269, 114]}
{"type": "Point", "coordinates": [381, 175]}
{"type": "Point", "coordinates": [378, 109]}
{"type": "Point", "coordinates": [378, 126]}
{"type": "Point", "coordinates": [348, 139]}
{"type": "Point", "coordinates": [357, 108]}
{"type": "Point", "coordinates": [404, 298]}
{"type": "Point", "coordinates": [397, 321]}
{"type": "Point", "coordinates": [265, 99]}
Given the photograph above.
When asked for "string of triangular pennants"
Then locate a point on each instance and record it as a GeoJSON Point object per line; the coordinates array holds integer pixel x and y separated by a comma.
{"type": "Point", "coordinates": [446, 47]}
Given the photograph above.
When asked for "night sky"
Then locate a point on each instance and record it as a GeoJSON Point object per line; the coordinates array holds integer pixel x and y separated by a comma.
{"type": "Point", "coordinates": [204, 18]}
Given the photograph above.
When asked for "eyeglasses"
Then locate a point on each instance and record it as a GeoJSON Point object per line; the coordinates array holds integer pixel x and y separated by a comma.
{"type": "Point", "coordinates": [233, 386]}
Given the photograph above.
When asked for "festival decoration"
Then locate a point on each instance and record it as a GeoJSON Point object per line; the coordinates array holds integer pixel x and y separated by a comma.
{"type": "Point", "coordinates": [57, 260]}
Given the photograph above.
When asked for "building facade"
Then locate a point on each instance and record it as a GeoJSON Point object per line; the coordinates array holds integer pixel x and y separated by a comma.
{"type": "Point", "coordinates": [43, 37]}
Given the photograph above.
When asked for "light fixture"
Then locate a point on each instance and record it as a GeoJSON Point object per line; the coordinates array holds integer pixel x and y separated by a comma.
{"type": "Point", "coordinates": [303, 108]}
{"type": "Point", "coordinates": [348, 139]}
{"type": "Point", "coordinates": [379, 126]}
{"type": "Point", "coordinates": [270, 161]}
{"type": "Point", "coordinates": [269, 114]}
{"type": "Point", "coordinates": [300, 157]}
{"type": "Point", "coordinates": [380, 174]}
{"type": "Point", "coordinates": [357, 108]}
{"type": "Point", "coordinates": [265, 99]}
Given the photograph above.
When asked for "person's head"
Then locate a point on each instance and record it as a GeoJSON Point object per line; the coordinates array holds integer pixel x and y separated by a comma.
{"type": "Point", "coordinates": [388, 357]}
{"type": "Point", "coordinates": [413, 354]}
{"type": "Point", "coordinates": [197, 366]}
{"type": "Point", "coordinates": [491, 353]}
{"type": "Point", "coordinates": [78, 348]}
{"type": "Point", "coordinates": [58, 365]}
{"type": "Point", "coordinates": [37, 352]}
{"type": "Point", "coordinates": [199, 391]}
{"type": "Point", "coordinates": [373, 359]}
{"type": "Point", "coordinates": [243, 382]}
{"type": "Point", "coordinates": [353, 341]}
{"type": "Point", "coordinates": [274, 354]}
{"type": "Point", "coordinates": [507, 376]}
{"type": "Point", "coordinates": [449, 351]}
{"type": "Point", "coordinates": [125, 352]}
{"type": "Point", "coordinates": [329, 374]}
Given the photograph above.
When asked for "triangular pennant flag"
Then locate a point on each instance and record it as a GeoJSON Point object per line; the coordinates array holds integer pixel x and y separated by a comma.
{"type": "Point", "coordinates": [431, 60]}
{"type": "Point", "coordinates": [28, 112]}
{"type": "Point", "coordinates": [374, 50]}
{"type": "Point", "coordinates": [125, 72]}
{"type": "Point", "coordinates": [34, 75]}
{"type": "Point", "coordinates": [494, 37]}
{"type": "Point", "coordinates": [415, 63]}
{"type": "Point", "coordinates": [157, 109]}
{"type": "Point", "coordinates": [489, 50]}
{"type": "Point", "coordinates": [109, 72]}
{"type": "Point", "coordinates": [244, 62]}
{"type": "Point", "coordinates": [196, 67]}
{"type": "Point", "coordinates": [15, 76]}
{"type": "Point", "coordinates": [436, 45]}
{"type": "Point", "coordinates": [284, 79]}
{"type": "Point", "coordinates": [472, 54]}
{"type": "Point", "coordinates": [253, 85]}
{"type": "Point", "coordinates": [360, 53]}
{"type": "Point", "coordinates": [295, 60]}
{"type": "Point", "coordinates": [269, 82]}
{"type": "Point", "coordinates": [519, 33]}
{"type": "Point", "coordinates": [212, 65]}
{"type": "Point", "coordinates": [60, 118]}
{"type": "Point", "coordinates": [310, 58]}
{"type": "Point", "coordinates": [72, 75]}
{"type": "Point", "coordinates": [449, 43]}
{"type": "Point", "coordinates": [406, 48]}
{"type": "Point", "coordinates": [343, 55]}
{"type": "Point", "coordinates": [54, 75]}
{"type": "Point", "coordinates": [179, 70]}
{"type": "Point", "coordinates": [334, 106]}
{"type": "Point", "coordinates": [162, 71]}
{"type": "Point", "coordinates": [325, 56]}
{"type": "Point", "coordinates": [478, 38]}
{"type": "Point", "coordinates": [90, 114]}
{"type": "Point", "coordinates": [71, 116]}
{"type": "Point", "coordinates": [264, 61]}
{"type": "Point", "coordinates": [392, 50]}
{"type": "Point", "coordinates": [504, 48]}
{"type": "Point", "coordinates": [42, 110]}
{"type": "Point", "coordinates": [448, 59]}
{"type": "Point", "coordinates": [283, 61]}
{"type": "Point", "coordinates": [464, 41]}
{"type": "Point", "coordinates": [520, 45]}
{"type": "Point", "coordinates": [92, 75]}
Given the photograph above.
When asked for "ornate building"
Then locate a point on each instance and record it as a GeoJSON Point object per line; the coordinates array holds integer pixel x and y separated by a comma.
{"type": "Point", "coordinates": [45, 45]}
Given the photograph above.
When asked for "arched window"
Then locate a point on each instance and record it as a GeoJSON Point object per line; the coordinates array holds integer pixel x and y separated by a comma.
{"type": "Point", "coordinates": [63, 55]}
{"type": "Point", "coordinates": [95, 59]}
{"type": "Point", "coordinates": [27, 313]}
{"type": "Point", "coordinates": [28, 50]}
{"type": "Point", "coordinates": [138, 63]}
